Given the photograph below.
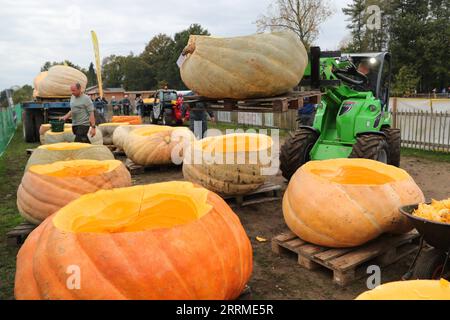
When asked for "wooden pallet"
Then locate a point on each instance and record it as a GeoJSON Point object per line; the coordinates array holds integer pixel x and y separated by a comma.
{"type": "Point", "coordinates": [16, 237]}
{"type": "Point", "coordinates": [136, 169]}
{"type": "Point", "coordinates": [348, 264]}
{"type": "Point", "coordinates": [291, 100]}
{"type": "Point", "coordinates": [268, 192]}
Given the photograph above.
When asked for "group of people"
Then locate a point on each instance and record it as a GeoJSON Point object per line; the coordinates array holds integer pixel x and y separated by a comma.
{"type": "Point", "coordinates": [82, 113]}
{"type": "Point", "coordinates": [121, 107]}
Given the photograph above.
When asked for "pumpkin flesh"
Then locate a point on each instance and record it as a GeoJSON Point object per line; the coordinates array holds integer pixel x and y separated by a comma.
{"type": "Point", "coordinates": [410, 290]}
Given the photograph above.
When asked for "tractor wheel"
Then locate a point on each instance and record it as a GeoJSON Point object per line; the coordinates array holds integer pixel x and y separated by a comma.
{"type": "Point", "coordinates": [296, 151]}
{"type": "Point", "coordinates": [28, 126]}
{"type": "Point", "coordinates": [393, 137]}
{"type": "Point", "coordinates": [429, 265]}
{"type": "Point", "coordinates": [371, 146]}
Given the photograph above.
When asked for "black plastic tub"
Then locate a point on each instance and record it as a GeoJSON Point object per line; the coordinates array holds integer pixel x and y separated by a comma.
{"type": "Point", "coordinates": [434, 233]}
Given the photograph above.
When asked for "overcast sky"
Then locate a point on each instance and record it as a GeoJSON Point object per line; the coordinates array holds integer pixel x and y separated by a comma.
{"type": "Point", "coordinates": [32, 32]}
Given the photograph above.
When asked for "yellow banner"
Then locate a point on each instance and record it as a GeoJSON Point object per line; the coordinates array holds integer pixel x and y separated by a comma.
{"type": "Point", "coordinates": [98, 66]}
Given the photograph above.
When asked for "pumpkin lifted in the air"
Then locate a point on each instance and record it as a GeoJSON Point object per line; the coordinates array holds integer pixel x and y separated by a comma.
{"type": "Point", "coordinates": [348, 202]}
{"type": "Point", "coordinates": [154, 145]}
{"type": "Point", "coordinates": [260, 65]}
{"type": "Point", "coordinates": [47, 188]}
{"type": "Point", "coordinates": [57, 81]}
{"type": "Point", "coordinates": [66, 151]}
{"type": "Point", "coordinates": [170, 240]}
{"type": "Point", "coordinates": [410, 290]}
{"type": "Point", "coordinates": [231, 164]}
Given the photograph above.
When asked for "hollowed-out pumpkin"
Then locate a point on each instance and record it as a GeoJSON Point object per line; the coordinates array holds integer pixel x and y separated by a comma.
{"type": "Point", "coordinates": [108, 129]}
{"type": "Point", "coordinates": [230, 164]}
{"type": "Point", "coordinates": [58, 80]}
{"type": "Point", "coordinates": [347, 202]}
{"type": "Point", "coordinates": [65, 151]}
{"type": "Point", "coordinates": [410, 290]}
{"type": "Point", "coordinates": [260, 65]}
{"type": "Point", "coordinates": [47, 188]}
{"type": "Point", "coordinates": [170, 240]}
{"type": "Point", "coordinates": [127, 119]}
{"type": "Point", "coordinates": [154, 145]}
{"type": "Point", "coordinates": [68, 136]}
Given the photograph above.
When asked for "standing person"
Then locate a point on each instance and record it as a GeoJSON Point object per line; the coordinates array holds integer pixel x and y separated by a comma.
{"type": "Point", "coordinates": [82, 114]}
{"type": "Point", "coordinates": [100, 104]}
{"type": "Point", "coordinates": [126, 105]}
{"type": "Point", "coordinates": [138, 102]}
{"type": "Point", "coordinates": [115, 106]}
{"type": "Point", "coordinates": [198, 118]}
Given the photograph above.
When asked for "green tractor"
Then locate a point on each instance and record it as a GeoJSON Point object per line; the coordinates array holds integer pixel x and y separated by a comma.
{"type": "Point", "coordinates": [353, 119]}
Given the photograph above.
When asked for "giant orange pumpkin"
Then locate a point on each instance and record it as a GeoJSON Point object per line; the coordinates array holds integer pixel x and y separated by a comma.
{"type": "Point", "coordinates": [170, 240]}
{"type": "Point", "coordinates": [154, 145]}
{"type": "Point", "coordinates": [47, 188]}
{"type": "Point", "coordinates": [410, 290]}
{"type": "Point", "coordinates": [347, 202]}
{"type": "Point", "coordinates": [127, 119]}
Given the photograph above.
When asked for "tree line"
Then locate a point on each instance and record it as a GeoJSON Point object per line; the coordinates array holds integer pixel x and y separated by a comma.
{"type": "Point", "coordinates": [416, 32]}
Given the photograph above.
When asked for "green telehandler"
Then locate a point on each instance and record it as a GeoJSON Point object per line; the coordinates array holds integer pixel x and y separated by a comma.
{"type": "Point", "coordinates": [353, 119]}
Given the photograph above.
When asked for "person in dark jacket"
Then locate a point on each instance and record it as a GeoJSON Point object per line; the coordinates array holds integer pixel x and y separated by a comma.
{"type": "Point", "coordinates": [198, 117]}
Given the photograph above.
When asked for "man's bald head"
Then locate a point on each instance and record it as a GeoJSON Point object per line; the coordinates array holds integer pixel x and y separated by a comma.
{"type": "Point", "coordinates": [76, 89]}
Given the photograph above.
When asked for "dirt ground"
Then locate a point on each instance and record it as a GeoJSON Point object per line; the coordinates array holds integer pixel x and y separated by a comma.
{"type": "Point", "coordinates": [277, 277]}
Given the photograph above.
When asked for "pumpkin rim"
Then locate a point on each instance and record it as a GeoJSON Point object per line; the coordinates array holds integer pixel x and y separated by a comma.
{"type": "Point", "coordinates": [113, 124]}
{"type": "Point", "coordinates": [335, 171]}
{"type": "Point", "coordinates": [105, 215]}
{"type": "Point", "coordinates": [75, 168]}
{"type": "Point", "coordinates": [61, 146]}
{"type": "Point", "coordinates": [209, 141]}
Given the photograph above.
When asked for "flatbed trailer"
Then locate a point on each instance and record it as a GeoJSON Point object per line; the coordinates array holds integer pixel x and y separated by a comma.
{"type": "Point", "coordinates": [40, 111]}
{"type": "Point", "coordinates": [291, 100]}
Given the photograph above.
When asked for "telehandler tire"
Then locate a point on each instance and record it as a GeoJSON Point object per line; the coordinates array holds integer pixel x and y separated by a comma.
{"type": "Point", "coordinates": [296, 151]}
{"type": "Point", "coordinates": [371, 146]}
{"type": "Point", "coordinates": [394, 140]}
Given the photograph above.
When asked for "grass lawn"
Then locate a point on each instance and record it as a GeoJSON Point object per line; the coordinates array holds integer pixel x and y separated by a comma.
{"type": "Point", "coordinates": [12, 164]}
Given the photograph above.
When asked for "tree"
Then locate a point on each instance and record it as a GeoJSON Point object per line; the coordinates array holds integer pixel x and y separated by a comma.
{"type": "Point", "coordinates": [138, 75]}
{"type": "Point", "coordinates": [112, 71]}
{"type": "Point", "coordinates": [368, 24]}
{"type": "Point", "coordinates": [406, 81]}
{"type": "Point", "coordinates": [300, 16]}
{"type": "Point", "coordinates": [419, 36]}
{"type": "Point", "coordinates": [91, 76]}
{"type": "Point", "coordinates": [49, 64]}
{"type": "Point", "coordinates": [157, 55]}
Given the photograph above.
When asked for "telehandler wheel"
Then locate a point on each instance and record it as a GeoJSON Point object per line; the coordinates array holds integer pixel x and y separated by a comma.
{"type": "Point", "coordinates": [296, 151]}
{"type": "Point", "coordinates": [394, 140]}
{"type": "Point", "coordinates": [371, 146]}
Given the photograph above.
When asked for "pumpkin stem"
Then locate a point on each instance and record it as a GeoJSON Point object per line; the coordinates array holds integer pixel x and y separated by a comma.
{"type": "Point", "coordinates": [189, 49]}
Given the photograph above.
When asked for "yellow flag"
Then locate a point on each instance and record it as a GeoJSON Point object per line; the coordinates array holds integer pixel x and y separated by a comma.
{"type": "Point", "coordinates": [98, 66]}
